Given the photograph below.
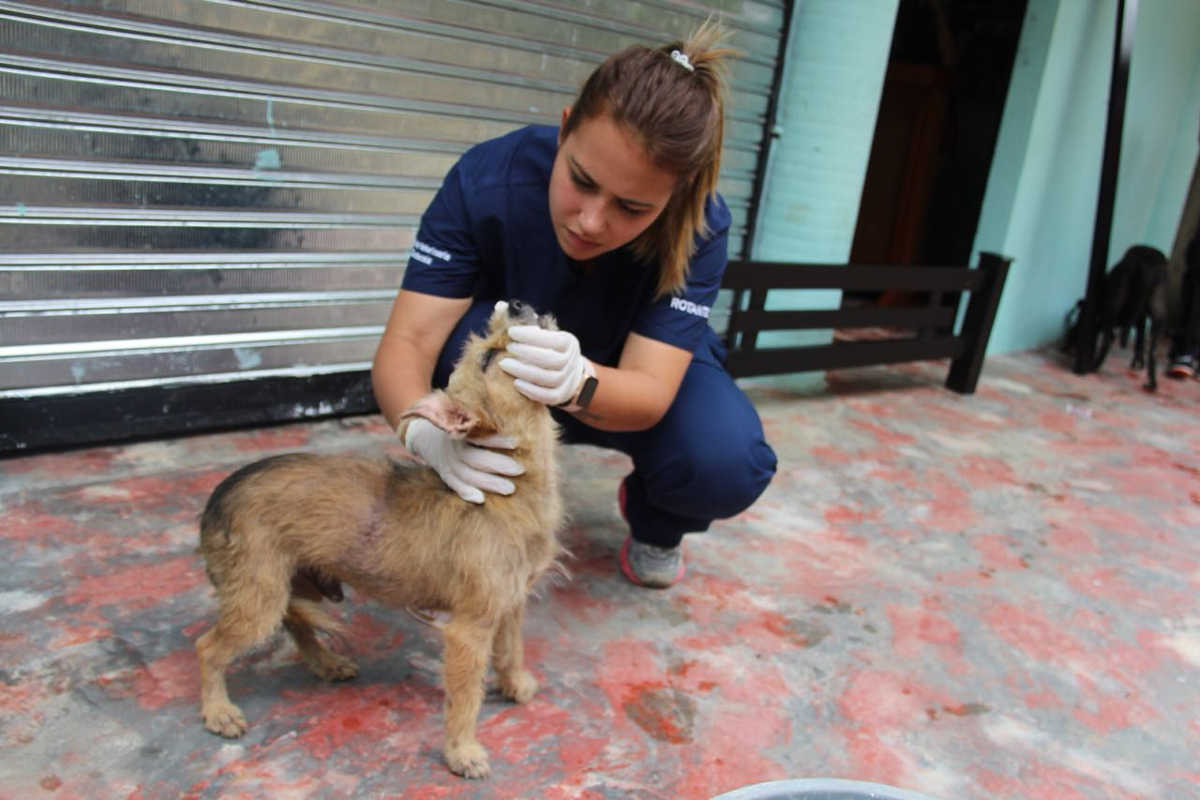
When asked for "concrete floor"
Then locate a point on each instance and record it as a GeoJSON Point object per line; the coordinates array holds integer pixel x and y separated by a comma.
{"type": "Point", "coordinates": [991, 596]}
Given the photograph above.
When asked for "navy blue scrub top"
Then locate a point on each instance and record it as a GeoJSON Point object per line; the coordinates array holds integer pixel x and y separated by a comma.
{"type": "Point", "coordinates": [488, 235]}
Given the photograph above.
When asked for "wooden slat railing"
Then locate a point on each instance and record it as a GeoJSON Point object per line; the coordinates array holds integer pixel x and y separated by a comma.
{"type": "Point", "coordinates": [930, 326]}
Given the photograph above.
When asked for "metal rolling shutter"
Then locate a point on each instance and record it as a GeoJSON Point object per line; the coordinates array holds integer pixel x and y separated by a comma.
{"type": "Point", "coordinates": [198, 195]}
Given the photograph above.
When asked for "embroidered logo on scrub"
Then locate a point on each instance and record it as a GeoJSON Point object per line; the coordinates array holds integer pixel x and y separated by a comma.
{"type": "Point", "coordinates": [688, 307]}
{"type": "Point", "coordinates": [423, 252]}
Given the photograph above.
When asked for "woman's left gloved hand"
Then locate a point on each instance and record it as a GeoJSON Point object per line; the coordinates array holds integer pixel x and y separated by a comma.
{"type": "Point", "coordinates": [547, 365]}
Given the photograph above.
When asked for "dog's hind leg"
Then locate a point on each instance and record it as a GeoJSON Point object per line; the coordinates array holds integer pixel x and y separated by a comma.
{"type": "Point", "coordinates": [1139, 343]}
{"type": "Point", "coordinates": [1151, 362]}
{"type": "Point", "coordinates": [468, 642]}
{"type": "Point", "coordinates": [249, 613]}
{"type": "Point", "coordinates": [508, 658]}
{"type": "Point", "coordinates": [1106, 340]}
{"type": "Point", "coordinates": [302, 621]}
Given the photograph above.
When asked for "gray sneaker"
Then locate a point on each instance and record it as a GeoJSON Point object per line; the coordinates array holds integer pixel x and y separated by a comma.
{"type": "Point", "coordinates": [647, 564]}
{"type": "Point", "coordinates": [651, 566]}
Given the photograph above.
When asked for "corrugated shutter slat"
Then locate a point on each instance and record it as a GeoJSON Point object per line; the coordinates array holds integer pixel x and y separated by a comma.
{"type": "Point", "coordinates": [203, 191]}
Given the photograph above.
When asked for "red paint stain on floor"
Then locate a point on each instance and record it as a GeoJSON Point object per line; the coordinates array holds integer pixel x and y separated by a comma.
{"type": "Point", "coordinates": [282, 438]}
{"type": "Point", "coordinates": [882, 434]}
{"type": "Point", "coordinates": [22, 718]}
{"type": "Point", "coordinates": [74, 634]}
{"type": "Point", "coordinates": [950, 507]}
{"type": "Point", "coordinates": [734, 752]}
{"type": "Point", "coordinates": [985, 472]}
{"type": "Point", "coordinates": [66, 465]}
{"type": "Point", "coordinates": [1071, 540]}
{"type": "Point", "coordinates": [31, 523]}
{"type": "Point", "coordinates": [1039, 637]}
{"type": "Point", "coordinates": [848, 516]}
{"type": "Point", "coordinates": [833, 455]}
{"type": "Point", "coordinates": [999, 551]}
{"type": "Point", "coordinates": [139, 585]}
{"type": "Point", "coordinates": [903, 478]}
{"type": "Point", "coordinates": [350, 717]}
{"type": "Point", "coordinates": [1107, 710]}
{"type": "Point", "coordinates": [917, 632]}
{"type": "Point", "coordinates": [926, 632]}
{"type": "Point", "coordinates": [873, 759]}
{"type": "Point", "coordinates": [664, 713]}
{"type": "Point", "coordinates": [519, 734]}
{"type": "Point", "coordinates": [876, 699]}
{"type": "Point", "coordinates": [172, 678]}
{"type": "Point", "coordinates": [1059, 421]}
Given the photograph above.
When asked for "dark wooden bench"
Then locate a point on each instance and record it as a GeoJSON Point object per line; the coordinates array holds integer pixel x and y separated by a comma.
{"type": "Point", "coordinates": [924, 332]}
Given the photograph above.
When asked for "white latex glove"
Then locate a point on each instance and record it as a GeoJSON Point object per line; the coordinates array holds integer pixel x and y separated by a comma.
{"type": "Point", "coordinates": [466, 466]}
{"type": "Point", "coordinates": [547, 365]}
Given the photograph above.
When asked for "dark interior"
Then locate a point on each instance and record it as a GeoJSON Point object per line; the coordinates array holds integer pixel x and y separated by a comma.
{"type": "Point", "coordinates": [938, 121]}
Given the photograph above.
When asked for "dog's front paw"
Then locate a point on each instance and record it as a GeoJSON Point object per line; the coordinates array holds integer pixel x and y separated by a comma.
{"type": "Point", "coordinates": [520, 686]}
{"type": "Point", "coordinates": [333, 667]}
{"type": "Point", "coordinates": [225, 719]}
{"type": "Point", "coordinates": [468, 759]}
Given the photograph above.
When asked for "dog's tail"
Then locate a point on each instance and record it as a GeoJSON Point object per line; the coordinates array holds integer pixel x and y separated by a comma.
{"type": "Point", "coordinates": [308, 613]}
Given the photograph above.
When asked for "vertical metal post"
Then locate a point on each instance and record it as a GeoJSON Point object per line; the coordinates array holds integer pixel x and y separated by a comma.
{"type": "Point", "coordinates": [1085, 344]}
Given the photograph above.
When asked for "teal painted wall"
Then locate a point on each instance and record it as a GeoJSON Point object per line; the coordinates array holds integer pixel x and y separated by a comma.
{"type": "Point", "coordinates": [835, 64]}
{"type": "Point", "coordinates": [1040, 203]}
{"type": "Point", "coordinates": [1162, 131]}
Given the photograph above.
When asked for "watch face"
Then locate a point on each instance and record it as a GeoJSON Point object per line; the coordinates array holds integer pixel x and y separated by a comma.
{"type": "Point", "coordinates": [589, 389]}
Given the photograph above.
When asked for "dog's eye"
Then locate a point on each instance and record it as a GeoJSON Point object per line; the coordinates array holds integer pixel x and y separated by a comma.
{"type": "Point", "coordinates": [487, 358]}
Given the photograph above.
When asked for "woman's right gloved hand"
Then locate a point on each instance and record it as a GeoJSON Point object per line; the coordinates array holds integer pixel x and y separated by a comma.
{"type": "Point", "coordinates": [468, 466]}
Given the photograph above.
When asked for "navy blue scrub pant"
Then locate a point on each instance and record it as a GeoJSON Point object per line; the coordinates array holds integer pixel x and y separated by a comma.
{"type": "Point", "coordinates": [706, 459]}
{"type": "Point", "coordinates": [1186, 341]}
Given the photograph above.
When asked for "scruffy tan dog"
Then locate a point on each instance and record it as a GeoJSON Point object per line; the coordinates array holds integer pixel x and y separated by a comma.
{"type": "Point", "coordinates": [277, 529]}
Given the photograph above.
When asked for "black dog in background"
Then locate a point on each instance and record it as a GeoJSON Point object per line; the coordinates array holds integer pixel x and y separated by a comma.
{"type": "Point", "coordinates": [1135, 291]}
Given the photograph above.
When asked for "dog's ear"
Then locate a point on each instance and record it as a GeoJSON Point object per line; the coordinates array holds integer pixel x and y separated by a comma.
{"type": "Point", "coordinates": [449, 415]}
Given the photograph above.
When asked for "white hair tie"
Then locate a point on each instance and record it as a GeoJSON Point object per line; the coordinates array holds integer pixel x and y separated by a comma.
{"type": "Point", "coordinates": [682, 60]}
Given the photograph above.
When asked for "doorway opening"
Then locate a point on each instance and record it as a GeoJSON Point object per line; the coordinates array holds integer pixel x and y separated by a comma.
{"type": "Point", "coordinates": [939, 116]}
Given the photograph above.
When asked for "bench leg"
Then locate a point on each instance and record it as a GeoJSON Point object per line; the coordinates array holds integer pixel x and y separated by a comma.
{"type": "Point", "coordinates": [977, 323]}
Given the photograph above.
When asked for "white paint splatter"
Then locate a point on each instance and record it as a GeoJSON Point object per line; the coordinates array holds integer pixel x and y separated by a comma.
{"type": "Point", "coordinates": [963, 444]}
{"type": "Point", "coordinates": [1186, 645]}
{"type": "Point", "coordinates": [229, 753]}
{"type": "Point", "coordinates": [18, 600]}
{"type": "Point", "coordinates": [320, 409]}
{"type": "Point", "coordinates": [1004, 384]}
{"type": "Point", "coordinates": [105, 492]}
{"type": "Point", "coordinates": [1013, 735]}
